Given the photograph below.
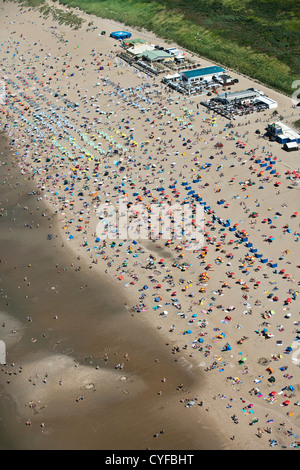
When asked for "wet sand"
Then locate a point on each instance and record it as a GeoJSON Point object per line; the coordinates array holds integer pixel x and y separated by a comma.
{"type": "Point", "coordinates": [93, 332]}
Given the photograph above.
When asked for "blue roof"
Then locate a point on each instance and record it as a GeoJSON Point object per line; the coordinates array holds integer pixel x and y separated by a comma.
{"type": "Point", "coordinates": [120, 34]}
{"type": "Point", "coordinates": [204, 71]}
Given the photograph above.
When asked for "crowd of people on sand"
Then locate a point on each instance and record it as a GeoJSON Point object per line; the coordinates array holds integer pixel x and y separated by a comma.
{"type": "Point", "coordinates": [88, 136]}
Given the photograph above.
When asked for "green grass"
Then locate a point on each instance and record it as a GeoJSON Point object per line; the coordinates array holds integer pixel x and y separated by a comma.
{"type": "Point", "coordinates": [28, 3]}
{"type": "Point", "coordinates": [257, 38]}
{"type": "Point", "coordinates": [297, 124]}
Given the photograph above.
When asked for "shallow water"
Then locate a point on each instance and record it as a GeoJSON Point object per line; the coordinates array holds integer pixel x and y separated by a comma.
{"type": "Point", "coordinates": [92, 320]}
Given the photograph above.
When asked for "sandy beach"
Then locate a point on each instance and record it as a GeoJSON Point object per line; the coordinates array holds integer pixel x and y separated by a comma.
{"type": "Point", "coordinates": [84, 129]}
{"type": "Point", "coordinates": [77, 361]}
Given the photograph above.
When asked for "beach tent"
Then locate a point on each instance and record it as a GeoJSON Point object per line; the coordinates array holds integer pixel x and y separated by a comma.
{"type": "Point", "coordinates": [120, 35]}
{"type": "Point", "coordinates": [227, 347]}
{"type": "Point", "coordinates": [241, 361]}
